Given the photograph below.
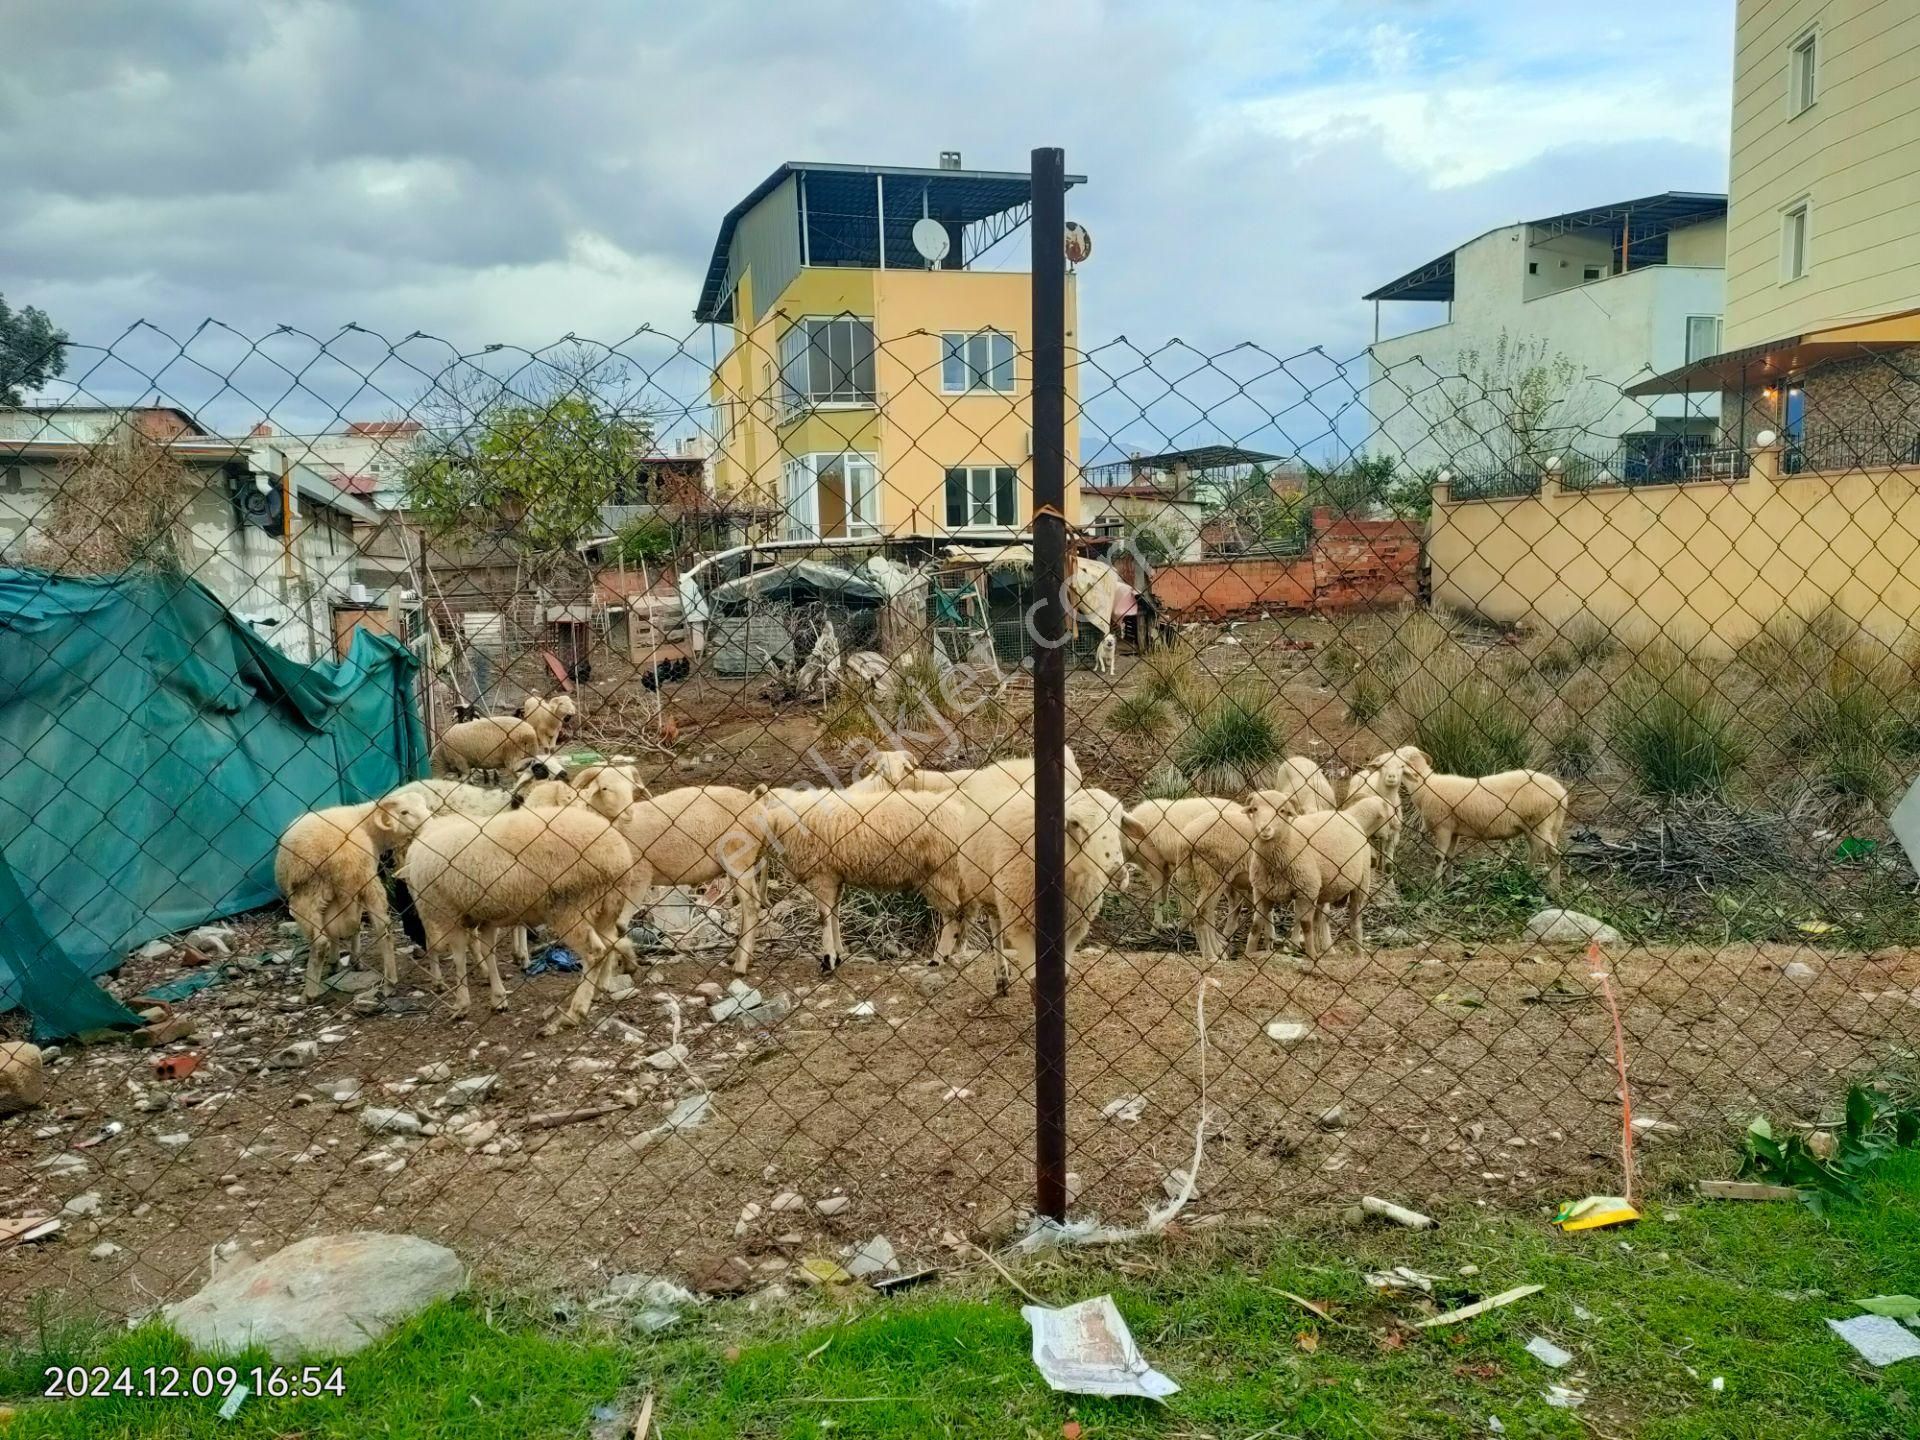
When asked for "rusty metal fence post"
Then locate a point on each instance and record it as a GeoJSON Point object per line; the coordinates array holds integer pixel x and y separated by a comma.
{"type": "Point", "coordinates": [1050, 680]}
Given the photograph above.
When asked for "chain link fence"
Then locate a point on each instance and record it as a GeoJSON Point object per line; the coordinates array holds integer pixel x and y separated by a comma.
{"type": "Point", "coordinates": [693, 642]}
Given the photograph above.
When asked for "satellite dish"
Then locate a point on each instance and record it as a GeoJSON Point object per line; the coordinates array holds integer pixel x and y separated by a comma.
{"type": "Point", "coordinates": [1079, 242]}
{"type": "Point", "coordinates": [930, 238]}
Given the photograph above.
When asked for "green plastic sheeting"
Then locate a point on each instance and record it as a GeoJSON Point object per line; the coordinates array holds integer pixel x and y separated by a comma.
{"type": "Point", "coordinates": [152, 749]}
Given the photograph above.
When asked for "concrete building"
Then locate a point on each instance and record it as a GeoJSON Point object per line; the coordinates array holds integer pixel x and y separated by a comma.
{"type": "Point", "coordinates": [1605, 296]}
{"type": "Point", "coordinates": [871, 384]}
{"type": "Point", "coordinates": [1823, 259]}
{"type": "Point", "coordinates": [288, 585]}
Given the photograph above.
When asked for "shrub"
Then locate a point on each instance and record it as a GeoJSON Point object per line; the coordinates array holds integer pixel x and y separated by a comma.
{"type": "Point", "coordinates": [1143, 713]}
{"type": "Point", "coordinates": [1467, 725]}
{"type": "Point", "coordinates": [1674, 732]}
{"type": "Point", "coordinates": [1231, 741]}
{"type": "Point", "coordinates": [1167, 782]}
{"type": "Point", "coordinates": [1340, 660]}
{"type": "Point", "coordinates": [1366, 698]}
{"type": "Point", "coordinates": [642, 541]}
{"type": "Point", "coordinates": [1589, 639]}
{"type": "Point", "coordinates": [1173, 674]}
{"type": "Point", "coordinates": [1570, 749]}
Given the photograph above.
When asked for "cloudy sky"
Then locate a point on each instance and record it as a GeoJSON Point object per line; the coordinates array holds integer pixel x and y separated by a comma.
{"type": "Point", "coordinates": [495, 172]}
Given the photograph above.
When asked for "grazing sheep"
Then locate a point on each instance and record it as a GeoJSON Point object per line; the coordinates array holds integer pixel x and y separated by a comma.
{"type": "Point", "coordinates": [898, 770]}
{"type": "Point", "coordinates": [547, 716]}
{"type": "Point", "coordinates": [566, 868]}
{"type": "Point", "coordinates": [328, 866]}
{"type": "Point", "coordinates": [992, 866]}
{"type": "Point", "coordinates": [1491, 808]}
{"type": "Point", "coordinates": [701, 833]}
{"type": "Point", "coordinates": [1316, 861]}
{"type": "Point", "coordinates": [493, 742]}
{"type": "Point", "coordinates": [873, 839]}
{"type": "Point", "coordinates": [1157, 841]}
{"type": "Point", "coordinates": [1220, 841]}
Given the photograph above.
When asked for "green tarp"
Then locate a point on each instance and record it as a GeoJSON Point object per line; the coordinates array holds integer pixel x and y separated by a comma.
{"type": "Point", "coordinates": [152, 749]}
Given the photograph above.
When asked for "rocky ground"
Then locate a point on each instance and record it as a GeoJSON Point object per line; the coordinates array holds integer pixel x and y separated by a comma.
{"type": "Point", "coordinates": [728, 1139]}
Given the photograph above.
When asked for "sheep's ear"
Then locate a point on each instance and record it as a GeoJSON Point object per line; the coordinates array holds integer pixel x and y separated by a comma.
{"type": "Point", "coordinates": [1132, 828]}
{"type": "Point", "coordinates": [760, 790]}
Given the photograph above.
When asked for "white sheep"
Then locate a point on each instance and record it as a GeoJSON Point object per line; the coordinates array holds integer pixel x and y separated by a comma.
{"type": "Point", "coordinates": [1219, 836]}
{"type": "Point", "coordinates": [881, 839]}
{"type": "Point", "coordinates": [327, 865]}
{"type": "Point", "coordinates": [566, 868]}
{"type": "Point", "coordinates": [547, 716]}
{"type": "Point", "coordinates": [1316, 861]}
{"type": "Point", "coordinates": [1157, 840]}
{"type": "Point", "coordinates": [698, 834]}
{"type": "Point", "coordinates": [1498, 807]}
{"type": "Point", "coordinates": [992, 867]}
{"type": "Point", "coordinates": [493, 742]}
{"type": "Point", "coordinates": [896, 769]}
{"type": "Point", "coordinates": [1382, 778]}
{"type": "Point", "coordinates": [1299, 785]}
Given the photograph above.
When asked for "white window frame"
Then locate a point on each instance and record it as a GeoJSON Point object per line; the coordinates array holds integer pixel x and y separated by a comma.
{"type": "Point", "coordinates": [976, 501]}
{"type": "Point", "coordinates": [842, 393]}
{"type": "Point", "coordinates": [800, 492]}
{"type": "Point", "coordinates": [1687, 338]}
{"type": "Point", "coordinates": [998, 378]}
{"type": "Point", "coordinates": [1803, 73]}
{"type": "Point", "coordinates": [1796, 215]}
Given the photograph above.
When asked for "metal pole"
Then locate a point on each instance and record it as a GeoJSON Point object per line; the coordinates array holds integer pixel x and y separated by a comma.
{"type": "Point", "coordinates": [1050, 679]}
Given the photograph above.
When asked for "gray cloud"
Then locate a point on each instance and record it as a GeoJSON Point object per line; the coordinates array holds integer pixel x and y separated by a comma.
{"type": "Point", "coordinates": [500, 172]}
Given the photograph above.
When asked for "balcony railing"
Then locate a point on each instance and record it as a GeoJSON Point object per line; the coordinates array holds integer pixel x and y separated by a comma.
{"type": "Point", "coordinates": [1839, 449]}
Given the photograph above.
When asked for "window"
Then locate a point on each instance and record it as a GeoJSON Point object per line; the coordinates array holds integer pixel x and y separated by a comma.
{"type": "Point", "coordinates": [981, 361]}
{"type": "Point", "coordinates": [1793, 242]}
{"type": "Point", "coordinates": [980, 495]}
{"type": "Point", "coordinates": [1590, 272]}
{"type": "Point", "coordinates": [1533, 267]}
{"type": "Point", "coordinates": [1703, 337]}
{"type": "Point", "coordinates": [832, 496]}
{"type": "Point", "coordinates": [1803, 64]}
{"type": "Point", "coordinates": [826, 362]}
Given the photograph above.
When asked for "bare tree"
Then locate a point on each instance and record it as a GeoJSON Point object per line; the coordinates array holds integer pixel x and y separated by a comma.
{"type": "Point", "coordinates": [122, 506]}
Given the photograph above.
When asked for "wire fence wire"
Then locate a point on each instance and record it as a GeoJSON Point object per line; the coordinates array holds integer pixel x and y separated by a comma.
{"type": "Point", "coordinates": [722, 663]}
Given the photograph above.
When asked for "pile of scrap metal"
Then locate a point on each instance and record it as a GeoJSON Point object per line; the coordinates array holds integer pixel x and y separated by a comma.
{"type": "Point", "coordinates": [818, 612]}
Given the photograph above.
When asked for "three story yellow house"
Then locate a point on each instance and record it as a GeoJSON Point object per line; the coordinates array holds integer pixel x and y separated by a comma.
{"type": "Point", "coordinates": [877, 376]}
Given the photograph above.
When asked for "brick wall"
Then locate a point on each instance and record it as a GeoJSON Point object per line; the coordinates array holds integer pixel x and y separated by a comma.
{"type": "Point", "coordinates": [1351, 565]}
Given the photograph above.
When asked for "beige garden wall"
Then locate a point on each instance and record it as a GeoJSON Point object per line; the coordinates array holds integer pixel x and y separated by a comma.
{"type": "Point", "coordinates": [1704, 562]}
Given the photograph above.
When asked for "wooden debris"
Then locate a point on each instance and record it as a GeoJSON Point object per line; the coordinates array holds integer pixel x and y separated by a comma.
{"type": "Point", "coordinates": [1480, 1307]}
{"type": "Point", "coordinates": [548, 1119]}
{"type": "Point", "coordinates": [1745, 1190]}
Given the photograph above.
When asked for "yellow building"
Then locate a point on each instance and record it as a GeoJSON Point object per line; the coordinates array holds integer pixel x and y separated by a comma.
{"type": "Point", "coordinates": [877, 379]}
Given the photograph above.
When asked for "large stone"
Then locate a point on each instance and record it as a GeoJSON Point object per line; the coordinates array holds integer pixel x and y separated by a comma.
{"type": "Point", "coordinates": [1554, 926]}
{"type": "Point", "coordinates": [23, 1078]}
{"type": "Point", "coordinates": [329, 1295]}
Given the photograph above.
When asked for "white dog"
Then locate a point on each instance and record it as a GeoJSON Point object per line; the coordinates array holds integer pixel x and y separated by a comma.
{"type": "Point", "coordinates": [1106, 656]}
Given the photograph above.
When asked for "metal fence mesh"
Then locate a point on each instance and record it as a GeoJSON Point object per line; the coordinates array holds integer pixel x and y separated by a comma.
{"type": "Point", "coordinates": [1691, 613]}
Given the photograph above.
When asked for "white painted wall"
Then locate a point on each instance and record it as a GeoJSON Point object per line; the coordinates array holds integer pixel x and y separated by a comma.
{"type": "Point", "coordinates": [1616, 330]}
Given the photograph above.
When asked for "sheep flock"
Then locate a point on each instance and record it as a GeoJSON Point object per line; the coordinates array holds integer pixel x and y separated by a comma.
{"type": "Point", "coordinates": [580, 851]}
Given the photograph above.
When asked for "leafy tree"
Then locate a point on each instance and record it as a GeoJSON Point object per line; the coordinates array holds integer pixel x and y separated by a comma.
{"type": "Point", "coordinates": [539, 469]}
{"type": "Point", "coordinates": [1156, 544]}
{"type": "Point", "coordinates": [1353, 488]}
{"type": "Point", "coordinates": [32, 352]}
{"type": "Point", "coordinates": [643, 541]}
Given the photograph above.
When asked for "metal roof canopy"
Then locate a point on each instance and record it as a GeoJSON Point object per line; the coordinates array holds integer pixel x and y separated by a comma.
{"type": "Point", "coordinates": [842, 217]}
{"type": "Point", "coordinates": [1646, 222]}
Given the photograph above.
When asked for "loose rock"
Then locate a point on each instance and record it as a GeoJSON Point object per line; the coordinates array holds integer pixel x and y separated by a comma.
{"type": "Point", "coordinates": [876, 1257]}
{"type": "Point", "coordinates": [330, 1295]}
{"type": "Point", "coordinates": [1556, 926]}
{"type": "Point", "coordinates": [393, 1122]}
{"type": "Point", "coordinates": [300, 1052]}
{"type": "Point", "coordinates": [832, 1204]}
{"type": "Point", "coordinates": [85, 1203]}
{"type": "Point", "coordinates": [23, 1076]}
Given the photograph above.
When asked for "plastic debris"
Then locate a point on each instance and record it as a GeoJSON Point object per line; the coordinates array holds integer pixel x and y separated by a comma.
{"type": "Point", "coordinates": [236, 1397]}
{"type": "Point", "coordinates": [1565, 1397]}
{"type": "Point", "coordinates": [1480, 1307]}
{"type": "Point", "coordinates": [176, 1067]}
{"type": "Point", "coordinates": [1126, 1109]}
{"type": "Point", "coordinates": [27, 1227]}
{"type": "Point", "coordinates": [1399, 1214]}
{"type": "Point", "coordinates": [659, 1301]}
{"type": "Point", "coordinates": [1596, 1212]}
{"type": "Point", "coordinates": [1548, 1353]}
{"type": "Point", "coordinates": [1400, 1278]}
{"type": "Point", "coordinates": [1086, 1349]}
{"type": "Point", "coordinates": [865, 1010]}
{"type": "Point", "coordinates": [181, 986]}
{"type": "Point", "coordinates": [1288, 1032]}
{"type": "Point", "coordinates": [1880, 1339]}
{"type": "Point", "coordinates": [557, 959]}
{"type": "Point", "coordinates": [819, 1270]}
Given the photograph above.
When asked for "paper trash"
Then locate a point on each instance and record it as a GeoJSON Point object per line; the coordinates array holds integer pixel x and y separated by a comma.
{"type": "Point", "coordinates": [1086, 1349]}
{"type": "Point", "coordinates": [1880, 1339]}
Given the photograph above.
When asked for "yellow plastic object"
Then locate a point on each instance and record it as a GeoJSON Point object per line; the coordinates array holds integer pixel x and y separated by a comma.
{"type": "Point", "coordinates": [1596, 1212]}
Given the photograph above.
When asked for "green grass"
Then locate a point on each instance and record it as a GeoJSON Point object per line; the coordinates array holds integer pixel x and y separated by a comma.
{"type": "Point", "coordinates": [1144, 714]}
{"type": "Point", "coordinates": [1739, 1291]}
{"type": "Point", "coordinates": [1467, 725]}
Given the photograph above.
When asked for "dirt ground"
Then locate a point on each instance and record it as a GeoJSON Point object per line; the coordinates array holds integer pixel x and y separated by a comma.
{"type": "Point", "coordinates": [1454, 1071]}
{"type": "Point", "coordinates": [1484, 1074]}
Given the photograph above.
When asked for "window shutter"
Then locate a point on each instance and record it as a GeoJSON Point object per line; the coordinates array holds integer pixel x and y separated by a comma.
{"type": "Point", "coordinates": [1003, 500]}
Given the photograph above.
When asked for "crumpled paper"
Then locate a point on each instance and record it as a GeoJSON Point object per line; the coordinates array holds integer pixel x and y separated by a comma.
{"type": "Point", "coordinates": [1086, 1349]}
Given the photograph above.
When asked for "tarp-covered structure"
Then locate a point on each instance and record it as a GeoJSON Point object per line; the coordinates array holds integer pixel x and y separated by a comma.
{"type": "Point", "coordinates": [152, 749]}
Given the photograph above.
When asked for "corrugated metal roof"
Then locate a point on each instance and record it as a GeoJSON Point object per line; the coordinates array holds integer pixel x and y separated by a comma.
{"type": "Point", "coordinates": [843, 204]}
{"type": "Point", "coordinates": [1648, 221]}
